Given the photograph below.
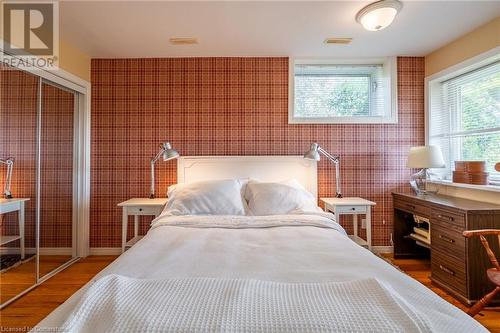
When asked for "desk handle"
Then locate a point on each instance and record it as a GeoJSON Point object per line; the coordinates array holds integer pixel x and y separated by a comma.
{"type": "Point", "coordinates": [446, 269]}
{"type": "Point", "coordinates": [447, 239]}
{"type": "Point", "coordinates": [449, 218]}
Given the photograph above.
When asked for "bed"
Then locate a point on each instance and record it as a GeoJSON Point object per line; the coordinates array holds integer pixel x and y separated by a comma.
{"type": "Point", "coordinates": [295, 254]}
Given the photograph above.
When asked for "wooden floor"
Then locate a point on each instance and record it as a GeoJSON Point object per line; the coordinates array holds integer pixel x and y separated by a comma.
{"type": "Point", "coordinates": [21, 277]}
{"type": "Point", "coordinates": [33, 307]}
{"type": "Point", "coordinates": [38, 303]}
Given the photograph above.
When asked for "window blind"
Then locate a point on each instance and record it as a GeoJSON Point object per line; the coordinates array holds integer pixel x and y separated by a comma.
{"type": "Point", "coordinates": [464, 118]}
{"type": "Point", "coordinates": [323, 91]}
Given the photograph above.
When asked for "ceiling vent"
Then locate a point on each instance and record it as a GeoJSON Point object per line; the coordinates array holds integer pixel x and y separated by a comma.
{"type": "Point", "coordinates": [183, 41]}
{"type": "Point", "coordinates": [338, 40]}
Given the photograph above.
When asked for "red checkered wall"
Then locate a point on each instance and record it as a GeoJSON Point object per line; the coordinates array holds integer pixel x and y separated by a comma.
{"type": "Point", "coordinates": [233, 106]}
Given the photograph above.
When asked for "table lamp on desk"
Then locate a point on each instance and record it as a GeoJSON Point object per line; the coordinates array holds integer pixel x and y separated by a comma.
{"type": "Point", "coordinates": [423, 157]}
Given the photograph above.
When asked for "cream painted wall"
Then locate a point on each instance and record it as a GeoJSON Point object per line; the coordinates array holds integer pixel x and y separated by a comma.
{"type": "Point", "coordinates": [471, 44]}
{"type": "Point", "coordinates": [74, 61]}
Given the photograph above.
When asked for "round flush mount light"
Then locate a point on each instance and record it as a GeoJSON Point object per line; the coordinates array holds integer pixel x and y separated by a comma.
{"type": "Point", "coordinates": [378, 15]}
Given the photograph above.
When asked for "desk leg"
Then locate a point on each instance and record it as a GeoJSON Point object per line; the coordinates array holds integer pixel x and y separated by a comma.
{"type": "Point", "coordinates": [369, 227]}
{"type": "Point", "coordinates": [21, 229]}
{"type": "Point", "coordinates": [355, 224]}
{"type": "Point", "coordinates": [124, 228]}
{"type": "Point", "coordinates": [136, 226]}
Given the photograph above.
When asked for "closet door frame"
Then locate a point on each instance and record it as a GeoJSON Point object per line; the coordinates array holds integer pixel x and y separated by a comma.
{"type": "Point", "coordinates": [81, 165]}
{"type": "Point", "coordinates": [81, 176]}
{"type": "Point", "coordinates": [75, 160]}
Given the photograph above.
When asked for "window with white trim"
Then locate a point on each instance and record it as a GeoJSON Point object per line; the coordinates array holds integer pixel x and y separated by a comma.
{"type": "Point", "coordinates": [464, 117]}
{"type": "Point", "coordinates": [343, 91]}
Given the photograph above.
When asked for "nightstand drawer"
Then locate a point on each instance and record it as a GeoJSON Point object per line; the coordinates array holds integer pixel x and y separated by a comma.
{"type": "Point", "coordinates": [351, 209]}
{"type": "Point", "coordinates": [143, 210]}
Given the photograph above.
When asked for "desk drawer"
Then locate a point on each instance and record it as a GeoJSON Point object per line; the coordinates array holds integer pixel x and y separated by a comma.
{"type": "Point", "coordinates": [351, 209]}
{"type": "Point", "coordinates": [449, 271]}
{"type": "Point", "coordinates": [412, 207]}
{"type": "Point", "coordinates": [444, 218]}
{"type": "Point", "coordinates": [448, 240]}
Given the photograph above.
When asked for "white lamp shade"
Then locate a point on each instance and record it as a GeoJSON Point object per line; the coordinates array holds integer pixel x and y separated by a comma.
{"type": "Point", "coordinates": [425, 157]}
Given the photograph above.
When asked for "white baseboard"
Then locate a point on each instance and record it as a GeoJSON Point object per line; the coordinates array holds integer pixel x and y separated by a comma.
{"type": "Point", "coordinates": [105, 251]}
{"type": "Point", "coordinates": [382, 249]}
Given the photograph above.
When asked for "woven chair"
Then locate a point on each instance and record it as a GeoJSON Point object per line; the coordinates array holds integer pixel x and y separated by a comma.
{"type": "Point", "coordinates": [492, 273]}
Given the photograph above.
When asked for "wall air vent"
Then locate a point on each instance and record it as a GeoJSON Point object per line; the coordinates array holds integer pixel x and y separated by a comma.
{"type": "Point", "coordinates": [338, 40]}
{"type": "Point", "coordinates": [183, 41]}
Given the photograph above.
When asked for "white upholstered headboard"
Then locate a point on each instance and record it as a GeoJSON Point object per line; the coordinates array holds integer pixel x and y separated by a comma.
{"type": "Point", "coordinates": [263, 168]}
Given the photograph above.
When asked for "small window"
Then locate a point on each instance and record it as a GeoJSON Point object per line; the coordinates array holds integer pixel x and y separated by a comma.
{"type": "Point", "coordinates": [335, 92]}
{"type": "Point", "coordinates": [464, 117]}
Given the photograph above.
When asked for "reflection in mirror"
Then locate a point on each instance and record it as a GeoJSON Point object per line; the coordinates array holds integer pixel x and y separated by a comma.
{"type": "Point", "coordinates": [18, 140]}
{"type": "Point", "coordinates": [56, 178]}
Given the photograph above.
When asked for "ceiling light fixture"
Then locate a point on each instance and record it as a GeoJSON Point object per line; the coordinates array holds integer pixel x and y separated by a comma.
{"type": "Point", "coordinates": [378, 15]}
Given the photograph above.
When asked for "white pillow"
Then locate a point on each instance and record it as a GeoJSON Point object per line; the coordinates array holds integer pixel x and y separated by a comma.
{"type": "Point", "coordinates": [279, 198]}
{"type": "Point", "coordinates": [218, 197]}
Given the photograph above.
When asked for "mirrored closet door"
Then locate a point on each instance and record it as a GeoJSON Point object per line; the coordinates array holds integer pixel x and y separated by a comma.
{"type": "Point", "coordinates": [56, 177]}
{"type": "Point", "coordinates": [19, 103]}
{"type": "Point", "coordinates": [38, 177]}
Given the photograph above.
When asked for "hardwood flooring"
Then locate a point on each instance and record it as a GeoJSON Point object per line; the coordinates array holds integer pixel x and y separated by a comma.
{"type": "Point", "coordinates": [21, 277]}
{"type": "Point", "coordinates": [37, 304]}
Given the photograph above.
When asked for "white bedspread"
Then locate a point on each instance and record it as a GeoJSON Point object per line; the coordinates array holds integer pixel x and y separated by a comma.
{"type": "Point", "coordinates": [285, 250]}
{"type": "Point", "coordinates": [127, 305]}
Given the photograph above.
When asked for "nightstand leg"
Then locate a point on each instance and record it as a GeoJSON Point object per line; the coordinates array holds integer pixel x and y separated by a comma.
{"type": "Point", "coordinates": [355, 224]}
{"type": "Point", "coordinates": [136, 226]}
{"type": "Point", "coordinates": [369, 227]}
{"type": "Point", "coordinates": [21, 229]}
{"type": "Point", "coordinates": [124, 228]}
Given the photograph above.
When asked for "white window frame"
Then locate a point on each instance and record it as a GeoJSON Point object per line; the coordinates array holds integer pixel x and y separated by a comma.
{"type": "Point", "coordinates": [390, 69]}
{"type": "Point", "coordinates": [468, 65]}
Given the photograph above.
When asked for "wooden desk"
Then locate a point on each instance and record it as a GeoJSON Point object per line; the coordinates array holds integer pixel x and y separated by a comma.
{"type": "Point", "coordinates": [457, 264]}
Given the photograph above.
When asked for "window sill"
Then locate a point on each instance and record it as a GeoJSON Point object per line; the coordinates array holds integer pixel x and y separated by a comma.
{"type": "Point", "coordinates": [492, 188]}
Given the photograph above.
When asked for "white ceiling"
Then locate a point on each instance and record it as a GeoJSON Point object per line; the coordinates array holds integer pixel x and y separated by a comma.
{"type": "Point", "coordinates": [116, 29]}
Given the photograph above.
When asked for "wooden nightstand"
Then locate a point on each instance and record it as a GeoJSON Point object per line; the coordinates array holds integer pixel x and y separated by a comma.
{"type": "Point", "coordinates": [138, 207]}
{"type": "Point", "coordinates": [353, 206]}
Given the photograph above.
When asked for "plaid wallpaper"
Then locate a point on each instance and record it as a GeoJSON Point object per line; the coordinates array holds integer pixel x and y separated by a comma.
{"type": "Point", "coordinates": [233, 106]}
{"type": "Point", "coordinates": [18, 109]}
{"type": "Point", "coordinates": [56, 210]}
